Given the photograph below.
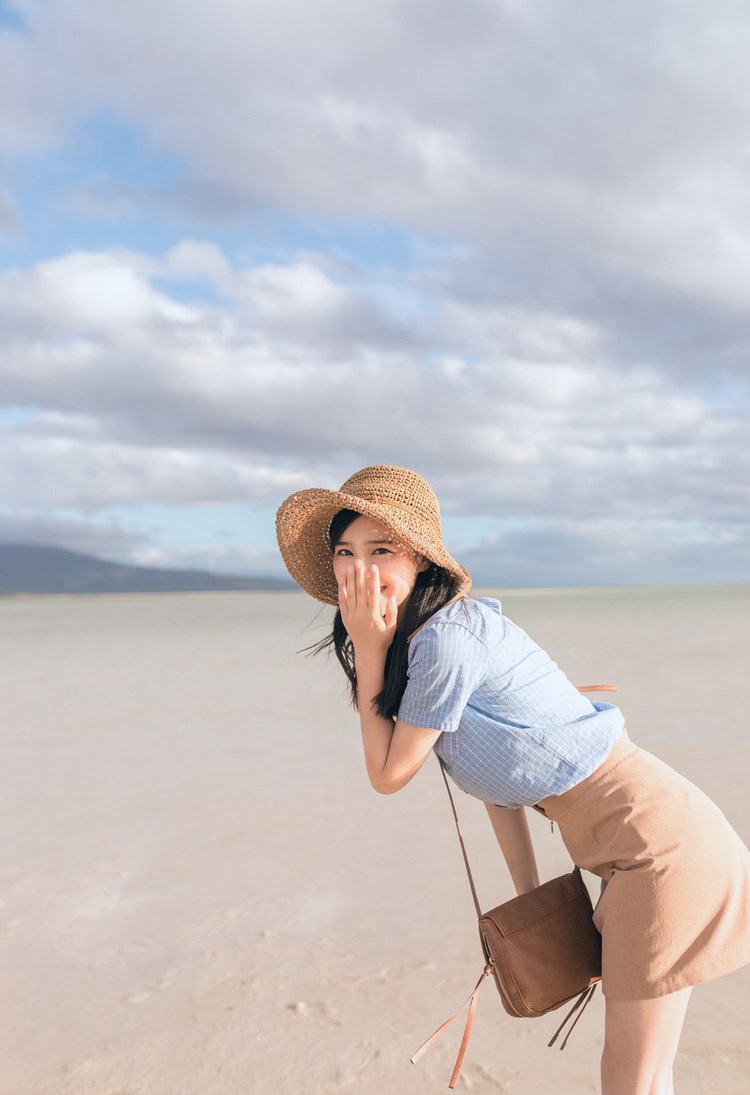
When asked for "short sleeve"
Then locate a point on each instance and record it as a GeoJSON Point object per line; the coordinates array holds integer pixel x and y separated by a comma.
{"type": "Point", "coordinates": [446, 665]}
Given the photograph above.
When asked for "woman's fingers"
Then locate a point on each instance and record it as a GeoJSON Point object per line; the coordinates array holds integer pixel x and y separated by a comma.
{"type": "Point", "coordinates": [351, 587]}
{"type": "Point", "coordinates": [391, 614]}
{"type": "Point", "coordinates": [364, 611]}
{"type": "Point", "coordinates": [363, 585]}
{"type": "Point", "coordinates": [364, 588]}
{"type": "Point", "coordinates": [347, 594]}
{"type": "Point", "coordinates": [373, 590]}
{"type": "Point", "coordinates": [343, 599]}
{"type": "Point", "coordinates": [354, 587]}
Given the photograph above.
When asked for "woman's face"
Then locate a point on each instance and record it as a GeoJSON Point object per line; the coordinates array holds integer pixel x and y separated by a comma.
{"type": "Point", "coordinates": [366, 541]}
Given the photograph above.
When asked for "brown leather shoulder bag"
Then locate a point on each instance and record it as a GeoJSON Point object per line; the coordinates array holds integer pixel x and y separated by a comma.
{"type": "Point", "coordinates": [542, 949]}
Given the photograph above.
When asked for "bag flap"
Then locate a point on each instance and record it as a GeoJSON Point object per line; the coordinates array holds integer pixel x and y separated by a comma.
{"type": "Point", "coordinates": [529, 908]}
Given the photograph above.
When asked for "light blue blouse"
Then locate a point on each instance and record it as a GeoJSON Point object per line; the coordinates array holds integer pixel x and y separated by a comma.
{"type": "Point", "coordinates": [513, 727]}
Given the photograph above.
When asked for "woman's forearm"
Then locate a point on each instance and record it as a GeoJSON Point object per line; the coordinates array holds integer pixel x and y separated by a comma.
{"type": "Point", "coordinates": [512, 831]}
{"type": "Point", "coordinates": [377, 732]}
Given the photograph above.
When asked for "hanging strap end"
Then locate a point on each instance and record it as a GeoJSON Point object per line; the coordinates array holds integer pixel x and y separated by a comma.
{"type": "Point", "coordinates": [472, 1002]}
{"type": "Point", "coordinates": [579, 1006]}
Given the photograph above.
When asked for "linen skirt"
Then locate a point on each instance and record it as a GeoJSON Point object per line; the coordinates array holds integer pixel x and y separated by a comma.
{"type": "Point", "coordinates": [675, 902]}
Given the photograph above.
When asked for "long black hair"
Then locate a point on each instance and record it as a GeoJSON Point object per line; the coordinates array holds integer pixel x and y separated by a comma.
{"type": "Point", "coordinates": [432, 590]}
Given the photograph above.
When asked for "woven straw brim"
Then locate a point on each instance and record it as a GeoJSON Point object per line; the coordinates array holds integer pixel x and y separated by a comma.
{"type": "Point", "coordinates": [302, 524]}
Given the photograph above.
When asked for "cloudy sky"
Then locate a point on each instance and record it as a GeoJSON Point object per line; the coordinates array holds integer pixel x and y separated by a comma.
{"type": "Point", "coordinates": [251, 247]}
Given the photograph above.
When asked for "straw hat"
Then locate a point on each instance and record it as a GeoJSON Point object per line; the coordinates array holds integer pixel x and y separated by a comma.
{"type": "Point", "coordinates": [399, 499]}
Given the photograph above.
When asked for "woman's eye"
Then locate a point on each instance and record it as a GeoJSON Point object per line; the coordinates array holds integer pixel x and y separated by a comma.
{"type": "Point", "coordinates": [343, 551]}
{"type": "Point", "coordinates": [382, 551]}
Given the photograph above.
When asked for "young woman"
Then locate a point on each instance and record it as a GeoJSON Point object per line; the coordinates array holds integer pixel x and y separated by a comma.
{"type": "Point", "coordinates": [433, 668]}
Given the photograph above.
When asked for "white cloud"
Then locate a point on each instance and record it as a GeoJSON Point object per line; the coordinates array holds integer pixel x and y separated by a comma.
{"type": "Point", "coordinates": [596, 166]}
{"type": "Point", "coordinates": [219, 558]}
{"type": "Point", "coordinates": [566, 345]}
{"type": "Point", "coordinates": [624, 131]}
{"type": "Point", "coordinates": [90, 293]}
{"type": "Point", "coordinates": [199, 258]}
{"type": "Point", "coordinates": [611, 552]}
{"type": "Point", "coordinates": [36, 106]}
{"type": "Point", "coordinates": [147, 398]}
{"type": "Point", "coordinates": [8, 214]}
{"type": "Point", "coordinates": [108, 538]}
{"type": "Point", "coordinates": [69, 463]}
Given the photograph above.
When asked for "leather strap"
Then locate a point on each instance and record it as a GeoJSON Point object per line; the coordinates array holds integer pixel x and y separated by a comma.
{"type": "Point", "coordinates": [473, 888]}
{"type": "Point", "coordinates": [472, 1002]}
{"type": "Point", "coordinates": [580, 1006]}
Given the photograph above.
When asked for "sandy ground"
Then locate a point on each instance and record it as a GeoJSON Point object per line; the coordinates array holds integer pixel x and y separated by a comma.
{"type": "Point", "coordinates": [202, 896]}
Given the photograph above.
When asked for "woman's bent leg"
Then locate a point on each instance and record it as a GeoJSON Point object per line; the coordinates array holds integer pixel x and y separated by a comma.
{"type": "Point", "coordinates": [640, 1044]}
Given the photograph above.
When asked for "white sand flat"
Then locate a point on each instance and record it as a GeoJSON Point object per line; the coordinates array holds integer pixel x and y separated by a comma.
{"type": "Point", "coordinates": [202, 896]}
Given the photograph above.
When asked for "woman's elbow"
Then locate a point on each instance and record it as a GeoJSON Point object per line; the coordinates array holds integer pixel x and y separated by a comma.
{"type": "Point", "coordinates": [385, 783]}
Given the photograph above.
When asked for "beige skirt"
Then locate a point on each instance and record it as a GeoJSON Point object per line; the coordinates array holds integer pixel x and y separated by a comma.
{"type": "Point", "coordinates": [675, 906]}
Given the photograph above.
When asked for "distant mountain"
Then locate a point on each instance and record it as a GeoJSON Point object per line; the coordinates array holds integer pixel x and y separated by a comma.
{"type": "Point", "coordinates": [33, 568]}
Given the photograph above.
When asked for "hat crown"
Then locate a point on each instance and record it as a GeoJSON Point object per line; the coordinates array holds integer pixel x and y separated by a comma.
{"type": "Point", "coordinates": [390, 485]}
